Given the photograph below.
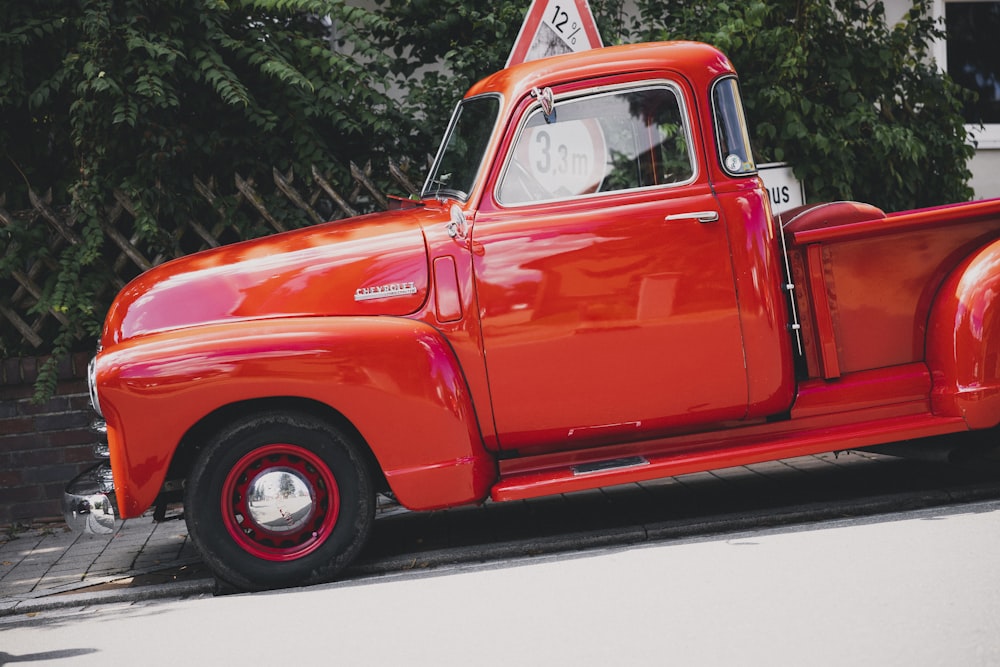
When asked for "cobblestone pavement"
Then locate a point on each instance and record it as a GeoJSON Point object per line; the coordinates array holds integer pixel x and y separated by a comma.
{"type": "Point", "coordinates": [51, 560]}
{"type": "Point", "coordinates": [49, 566]}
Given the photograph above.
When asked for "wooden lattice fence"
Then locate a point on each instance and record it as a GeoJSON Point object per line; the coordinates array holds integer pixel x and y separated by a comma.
{"type": "Point", "coordinates": [25, 328]}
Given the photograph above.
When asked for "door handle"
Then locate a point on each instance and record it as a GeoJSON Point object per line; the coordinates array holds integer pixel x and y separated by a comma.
{"type": "Point", "coordinates": [700, 216]}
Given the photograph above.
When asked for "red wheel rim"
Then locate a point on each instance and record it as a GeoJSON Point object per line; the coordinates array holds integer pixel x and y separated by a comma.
{"type": "Point", "coordinates": [280, 502]}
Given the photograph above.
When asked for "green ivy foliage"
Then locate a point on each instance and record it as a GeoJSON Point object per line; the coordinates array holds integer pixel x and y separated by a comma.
{"type": "Point", "coordinates": [139, 96]}
{"type": "Point", "coordinates": [856, 105]}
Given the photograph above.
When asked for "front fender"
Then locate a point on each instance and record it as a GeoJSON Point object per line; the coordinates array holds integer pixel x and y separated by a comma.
{"type": "Point", "coordinates": [396, 380]}
{"type": "Point", "coordinates": [963, 341]}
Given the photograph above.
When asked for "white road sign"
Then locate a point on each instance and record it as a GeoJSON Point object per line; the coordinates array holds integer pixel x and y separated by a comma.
{"type": "Point", "coordinates": [554, 27]}
{"type": "Point", "coordinates": [785, 191]}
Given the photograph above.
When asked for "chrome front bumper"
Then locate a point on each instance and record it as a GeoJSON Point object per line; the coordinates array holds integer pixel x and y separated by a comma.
{"type": "Point", "coordinates": [89, 501]}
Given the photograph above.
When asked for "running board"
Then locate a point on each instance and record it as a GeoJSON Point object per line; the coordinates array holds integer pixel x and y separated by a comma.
{"type": "Point", "coordinates": [575, 475]}
{"type": "Point", "coordinates": [609, 465]}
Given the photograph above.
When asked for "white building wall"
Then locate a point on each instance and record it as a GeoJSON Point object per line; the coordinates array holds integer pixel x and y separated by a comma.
{"type": "Point", "coordinates": [986, 173]}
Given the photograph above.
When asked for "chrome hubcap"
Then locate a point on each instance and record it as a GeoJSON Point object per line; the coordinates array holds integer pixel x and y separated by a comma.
{"type": "Point", "coordinates": [280, 500]}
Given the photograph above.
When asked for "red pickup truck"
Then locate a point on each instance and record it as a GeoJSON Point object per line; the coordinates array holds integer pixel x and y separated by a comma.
{"type": "Point", "coordinates": [591, 291]}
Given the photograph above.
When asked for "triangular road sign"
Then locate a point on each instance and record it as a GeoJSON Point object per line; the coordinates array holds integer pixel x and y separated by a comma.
{"type": "Point", "coordinates": [552, 27]}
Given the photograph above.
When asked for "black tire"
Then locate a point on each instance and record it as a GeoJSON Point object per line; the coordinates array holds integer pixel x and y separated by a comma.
{"type": "Point", "coordinates": [255, 541]}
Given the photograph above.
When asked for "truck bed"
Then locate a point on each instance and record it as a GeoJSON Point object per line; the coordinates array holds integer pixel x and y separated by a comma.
{"type": "Point", "coordinates": [865, 280]}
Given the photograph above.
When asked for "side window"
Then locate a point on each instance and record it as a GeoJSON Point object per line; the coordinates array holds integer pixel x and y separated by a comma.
{"type": "Point", "coordinates": [601, 143]}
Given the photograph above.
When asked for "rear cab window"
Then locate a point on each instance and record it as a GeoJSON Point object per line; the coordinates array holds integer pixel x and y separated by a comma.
{"type": "Point", "coordinates": [732, 136]}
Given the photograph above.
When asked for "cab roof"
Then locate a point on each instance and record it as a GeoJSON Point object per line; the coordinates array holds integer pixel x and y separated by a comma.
{"type": "Point", "coordinates": [700, 63]}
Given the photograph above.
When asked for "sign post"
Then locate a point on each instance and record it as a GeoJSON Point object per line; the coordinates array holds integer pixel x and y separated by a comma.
{"type": "Point", "coordinates": [554, 27]}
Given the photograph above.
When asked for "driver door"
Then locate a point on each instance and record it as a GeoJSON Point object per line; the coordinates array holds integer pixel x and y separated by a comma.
{"type": "Point", "coordinates": [603, 273]}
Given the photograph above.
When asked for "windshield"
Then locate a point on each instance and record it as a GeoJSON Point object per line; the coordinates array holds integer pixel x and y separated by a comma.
{"type": "Point", "coordinates": [458, 161]}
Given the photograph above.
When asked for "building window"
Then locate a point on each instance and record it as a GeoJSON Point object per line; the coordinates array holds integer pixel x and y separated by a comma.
{"type": "Point", "coordinates": [974, 55]}
{"type": "Point", "coordinates": [971, 56]}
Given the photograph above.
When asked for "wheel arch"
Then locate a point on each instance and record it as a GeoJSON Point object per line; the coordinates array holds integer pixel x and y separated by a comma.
{"type": "Point", "coordinates": [213, 423]}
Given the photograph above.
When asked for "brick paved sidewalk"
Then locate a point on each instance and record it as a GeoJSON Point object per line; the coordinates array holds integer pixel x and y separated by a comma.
{"type": "Point", "coordinates": [53, 560]}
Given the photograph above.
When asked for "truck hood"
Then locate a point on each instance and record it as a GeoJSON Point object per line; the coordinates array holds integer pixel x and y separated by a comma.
{"type": "Point", "coordinates": [371, 265]}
